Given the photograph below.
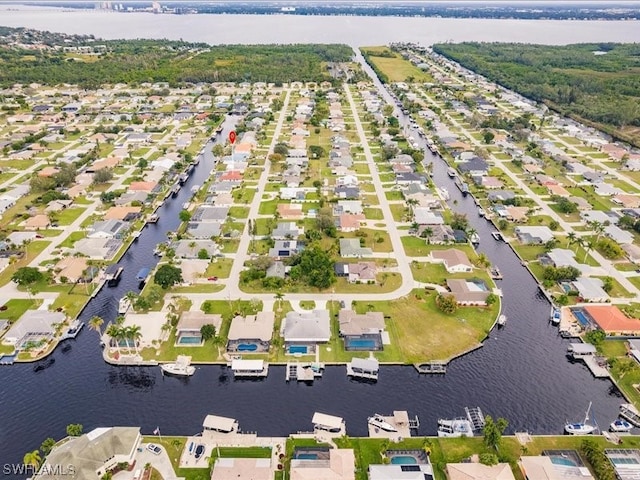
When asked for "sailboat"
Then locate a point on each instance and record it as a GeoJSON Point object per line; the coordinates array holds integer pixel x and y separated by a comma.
{"type": "Point", "coordinates": [581, 428]}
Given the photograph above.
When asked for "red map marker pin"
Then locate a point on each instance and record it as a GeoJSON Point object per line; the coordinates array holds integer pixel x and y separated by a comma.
{"type": "Point", "coordinates": [232, 136]}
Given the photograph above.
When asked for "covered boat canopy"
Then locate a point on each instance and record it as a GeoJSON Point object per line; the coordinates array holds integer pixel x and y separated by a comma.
{"type": "Point", "coordinates": [221, 424]}
{"type": "Point", "coordinates": [322, 420]}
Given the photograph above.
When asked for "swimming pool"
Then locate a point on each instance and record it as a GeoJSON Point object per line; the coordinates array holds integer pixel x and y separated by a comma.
{"type": "Point", "coordinates": [306, 456]}
{"type": "Point", "coordinates": [361, 343]}
{"type": "Point", "coordinates": [403, 460]}
{"type": "Point", "coordinates": [298, 349]}
{"type": "Point", "coordinates": [247, 347]}
{"type": "Point", "coordinates": [564, 461]}
{"type": "Point", "coordinates": [582, 318]}
{"type": "Point", "coordinates": [189, 341]}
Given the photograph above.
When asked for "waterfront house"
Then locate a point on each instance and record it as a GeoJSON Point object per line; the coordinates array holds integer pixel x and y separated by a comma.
{"type": "Point", "coordinates": [350, 247]}
{"type": "Point", "coordinates": [340, 466]}
{"type": "Point", "coordinates": [189, 326]}
{"type": "Point", "coordinates": [454, 260]}
{"type": "Point", "coordinates": [33, 327]}
{"type": "Point", "coordinates": [251, 333]}
{"type": "Point", "coordinates": [562, 257]}
{"type": "Point", "coordinates": [478, 471]}
{"type": "Point", "coordinates": [426, 216]}
{"type": "Point", "coordinates": [541, 467]}
{"type": "Point", "coordinates": [71, 269]}
{"type": "Point", "coordinates": [533, 235]}
{"type": "Point", "coordinates": [107, 229]}
{"type": "Point", "coordinates": [242, 469]}
{"type": "Point", "coordinates": [91, 455]}
{"type": "Point", "coordinates": [501, 195]}
{"type": "Point", "coordinates": [590, 290]}
{"type": "Point", "coordinates": [125, 214]}
{"type": "Point", "coordinates": [474, 167]}
{"type": "Point", "coordinates": [191, 248]}
{"type": "Point", "coordinates": [401, 472]}
{"type": "Point", "coordinates": [438, 234]}
{"type": "Point", "coordinates": [98, 248]}
{"type": "Point", "coordinates": [469, 292]}
{"type": "Point", "coordinates": [204, 230]}
{"type": "Point", "coordinates": [306, 328]}
{"type": "Point", "coordinates": [625, 462]}
{"type": "Point", "coordinates": [611, 320]}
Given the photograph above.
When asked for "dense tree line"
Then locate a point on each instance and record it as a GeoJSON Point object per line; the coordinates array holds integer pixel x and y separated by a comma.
{"type": "Point", "coordinates": [137, 61]}
{"type": "Point", "coordinates": [596, 82]}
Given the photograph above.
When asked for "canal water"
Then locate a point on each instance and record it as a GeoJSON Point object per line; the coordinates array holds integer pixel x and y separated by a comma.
{"type": "Point", "coordinates": [521, 373]}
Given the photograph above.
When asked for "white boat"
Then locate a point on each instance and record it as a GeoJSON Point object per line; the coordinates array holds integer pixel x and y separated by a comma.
{"type": "Point", "coordinates": [620, 425]}
{"type": "Point", "coordinates": [186, 205]}
{"type": "Point", "coordinates": [124, 305]}
{"type": "Point", "coordinates": [458, 427]}
{"type": "Point", "coordinates": [451, 172]}
{"type": "Point", "coordinates": [474, 238]}
{"type": "Point", "coordinates": [502, 320]}
{"type": "Point", "coordinates": [378, 421]}
{"type": "Point", "coordinates": [481, 212]}
{"type": "Point", "coordinates": [555, 316]}
{"type": "Point", "coordinates": [181, 367]}
{"type": "Point", "coordinates": [195, 189]}
{"type": "Point", "coordinates": [581, 428]}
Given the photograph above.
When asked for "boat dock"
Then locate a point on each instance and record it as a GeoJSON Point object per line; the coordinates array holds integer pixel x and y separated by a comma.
{"type": "Point", "coordinates": [249, 368]}
{"type": "Point", "coordinates": [400, 421]}
{"type": "Point", "coordinates": [630, 413]}
{"type": "Point", "coordinates": [497, 236]}
{"type": "Point", "coordinates": [476, 417]}
{"type": "Point", "coordinates": [432, 367]}
{"type": "Point", "coordinates": [304, 372]}
{"type": "Point", "coordinates": [495, 273]}
{"type": "Point", "coordinates": [153, 218]}
{"type": "Point", "coordinates": [72, 331]}
{"type": "Point", "coordinates": [585, 352]}
{"type": "Point", "coordinates": [112, 274]}
{"type": "Point", "coordinates": [363, 368]}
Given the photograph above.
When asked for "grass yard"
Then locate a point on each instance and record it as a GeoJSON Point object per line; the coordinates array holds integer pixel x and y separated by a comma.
{"type": "Point", "coordinates": [395, 68]}
{"type": "Point", "coordinates": [33, 249]}
{"type": "Point", "coordinates": [220, 267]}
{"type": "Point", "coordinates": [68, 215]}
{"type": "Point", "coordinates": [373, 213]}
{"type": "Point", "coordinates": [16, 307]}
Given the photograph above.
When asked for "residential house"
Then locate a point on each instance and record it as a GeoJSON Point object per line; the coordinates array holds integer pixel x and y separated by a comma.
{"type": "Point", "coordinates": [361, 272]}
{"type": "Point", "coordinates": [590, 290]}
{"type": "Point", "coordinates": [191, 248]}
{"type": "Point", "coordinates": [348, 206]}
{"type": "Point", "coordinates": [469, 292]}
{"type": "Point", "coordinates": [426, 216]}
{"type": "Point", "coordinates": [454, 260]}
{"type": "Point", "coordinates": [478, 471]}
{"type": "Point", "coordinates": [32, 327]}
{"type": "Point", "coordinates": [348, 222]}
{"type": "Point", "coordinates": [350, 247]}
{"type": "Point", "coordinates": [474, 167]}
{"type": "Point", "coordinates": [108, 229]}
{"type": "Point", "coordinates": [190, 324]}
{"type": "Point", "coordinates": [308, 327]}
{"type": "Point", "coordinates": [277, 270]}
{"type": "Point", "coordinates": [242, 469]}
{"type": "Point", "coordinates": [92, 454]}
{"type": "Point", "coordinates": [533, 234]}
{"type": "Point", "coordinates": [98, 248]}
{"type": "Point", "coordinates": [285, 248]}
{"type": "Point", "coordinates": [347, 192]}
{"type": "Point", "coordinates": [501, 195]}
{"type": "Point", "coordinates": [290, 211]}
{"type": "Point", "coordinates": [287, 231]}
{"type": "Point", "coordinates": [353, 324]}
{"type": "Point", "coordinates": [618, 235]}
{"type": "Point", "coordinates": [37, 222]}
{"type": "Point", "coordinates": [126, 214]}
{"type": "Point", "coordinates": [72, 269]}
{"type": "Point", "coordinates": [340, 466]}
{"type": "Point", "coordinates": [251, 329]}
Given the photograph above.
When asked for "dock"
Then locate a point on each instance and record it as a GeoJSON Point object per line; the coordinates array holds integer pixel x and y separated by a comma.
{"type": "Point", "coordinates": [497, 236]}
{"type": "Point", "coordinates": [585, 352]}
{"type": "Point", "coordinates": [476, 417]}
{"type": "Point", "coordinates": [72, 331]}
{"type": "Point", "coordinates": [304, 372]}
{"type": "Point", "coordinates": [363, 368]}
{"type": "Point", "coordinates": [432, 367]}
{"type": "Point", "coordinates": [249, 368]}
{"type": "Point", "coordinates": [630, 413]}
{"type": "Point", "coordinates": [400, 421]}
{"type": "Point", "coordinates": [112, 274]}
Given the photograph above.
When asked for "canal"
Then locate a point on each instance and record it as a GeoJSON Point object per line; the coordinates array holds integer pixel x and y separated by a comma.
{"type": "Point", "coordinates": [521, 373]}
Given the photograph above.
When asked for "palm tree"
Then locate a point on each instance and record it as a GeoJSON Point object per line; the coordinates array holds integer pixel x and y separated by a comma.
{"type": "Point", "coordinates": [279, 296]}
{"type": "Point", "coordinates": [588, 246]}
{"type": "Point", "coordinates": [597, 227]}
{"type": "Point", "coordinates": [95, 323]}
{"type": "Point", "coordinates": [133, 332]}
{"type": "Point", "coordinates": [411, 202]}
{"type": "Point", "coordinates": [32, 458]}
{"type": "Point", "coordinates": [115, 332]}
{"type": "Point", "coordinates": [571, 238]}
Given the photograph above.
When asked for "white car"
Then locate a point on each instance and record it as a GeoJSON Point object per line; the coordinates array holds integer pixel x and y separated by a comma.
{"type": "Point", "coordinates": [155, 449]}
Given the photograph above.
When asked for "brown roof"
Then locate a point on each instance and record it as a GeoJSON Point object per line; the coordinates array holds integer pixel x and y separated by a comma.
{"type": "Point", "coordinates": [48, 172]}
{"type": "Point", "coordinates": [460, 290]}
{"type": "Point", "coordinates": [452, 256]}
{"type": "Point", "coordinates": [352, 323]}
{"type": "Point", "coordinates": [287, 210]}
{"type": "Point", "coordinates": [194, 320]}
{"type": "Point", "coordinates": [119, 213]}
{"type": "Point", "coordinates": [142, 186]}
{"type": "Point", "coordinates": [37, 221]}
{"type": "Point", "coordinates": [611, 320]}
{"type": "Point", "coordinates": [71, 267]}
{"type": "Point", "coordinates": [109, 162]}
{"type": "Point", "coordinates": [349, 220]}
{"type": "Point", "coordinates": [558, 190]}
{"type": "Point", "coordinates": [628, 201]}
{"type": "Point", "coordinates": [365, 270]}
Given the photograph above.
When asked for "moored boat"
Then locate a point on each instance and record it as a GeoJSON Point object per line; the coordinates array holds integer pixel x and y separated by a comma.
{"type": "Point", "coordinates": [181, 367]}
{"type": "Point", "coordinates": [555, 316]}
{"type": "Point", "coordinates": [124, 305]}
{"type": "Point", "coordinates": [581, 428]}
{"type": "Point", "coordinates": [620, 425]}
{"type": "Point", "coordinates": [502, 320]}
{"type": "Point", "coordinates": [44, 364]}
{"type": "Point", "coordinates": [378, 421]}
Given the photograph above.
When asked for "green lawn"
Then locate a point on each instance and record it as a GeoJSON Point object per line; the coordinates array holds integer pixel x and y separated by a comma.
{"type": "Point", "coordinates": [33, 249]}
{"type": "Point", "coordinates": [220, 268]}
{"type": "Point", "coordinates": [239, 212]}
{"type": "Point", "coordinates": [16, 307]}
{"type": "Point", "coordinates": [72, 238]}
{"type": "Point", "coordinates": [68, 215]}
{"type": "Point", "coordinates": [395, 67]}
{"type": "Point", "coordinates": [269, 207]}
{"type": "Point", "coordinates": [373, 213]}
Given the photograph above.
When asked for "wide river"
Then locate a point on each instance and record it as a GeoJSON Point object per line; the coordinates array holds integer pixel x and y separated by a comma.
{"type": "Point", "coordinates": [352, 30]}
{"type": "Point", "coordinates": [521, 373]}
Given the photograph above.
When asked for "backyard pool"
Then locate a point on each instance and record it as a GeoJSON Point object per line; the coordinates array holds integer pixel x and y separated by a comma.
{"type": "Point", "coordinates": [189, 341]}
{"type": "Point", "coordinates": [582, 318]}
{"type": "Point", "coordinates": [361, 344]}
{"type": "Point", "coordinates": [298, 349]}
{"type": "Point", "coordinates": [564, 461]}
{"type": "Point", "coordinates": [247, 347]}
{"type": "Point", "coordinates": [306, 456]}
{"type": "Point", "coordinates": [404, 460]}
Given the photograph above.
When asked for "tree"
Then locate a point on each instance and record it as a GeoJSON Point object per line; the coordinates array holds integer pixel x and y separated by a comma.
{"type": "Point", "coordinates": [32, 458]}
{"type": "Point", "coordinates": [95, 323]}
{"type": "Point", "coordinates": [488, 458]}
{"type": "Point", "coordinates": [491, 299]}
{"type": "Point", "coordinates": [167, 275]}
{"type": "Point", "coordinates": [184, 216]}
{"type": "Point", "coordinates": [571, 238]}
{"type": "Point", "coordinates": [595, 337]}
{"type": "Point", "coordinates": [208, 331]}
{"type": "Point", "coordinates": [488, 136]}
{"type": "Point", "coordinates": [203, 254]}
{"type": "Point", "coordinates": [446, 303]}
{"type": "Point", "coordinates": [493, 431]}
{"type": "Point", "coordinates": [459, 221]}
{"type": "Point", "coordinates": [74, 429]}
{"type": "Point", "coordinates": [103, 175]}
{"type": "Point", "coordinates": [47, 445]}
{"type": "Point", "coordinates": [314, 267]}
{"type": "Point", "coordinates": [607, 284]}
{"type": "Point", "coordinates": [27, 275]}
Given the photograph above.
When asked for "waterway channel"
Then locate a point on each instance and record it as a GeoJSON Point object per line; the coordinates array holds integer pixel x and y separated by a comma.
{"type": "Point", "coordinates": [521, 373]}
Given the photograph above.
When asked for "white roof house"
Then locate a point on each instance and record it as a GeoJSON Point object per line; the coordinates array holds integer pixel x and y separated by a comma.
{"type": "Point", "coordinates": [536, 234]}
{"type": "Point", "coordinates": [313, 326]}
{"type": "Point", "coordinates": [396, 472]}
{"type": "Point", "coordinates": [617, 234]}
{"type": "Point", "coordinates": [252, 327]}
{"type": "Point", "coordinates": [478, 471]}
{"type": "Point", "coordinates": [242, 469]}
{"type": "Point", "coordinates": [590, 289]}
{"type": "Point", "coordinates": [33, 325]}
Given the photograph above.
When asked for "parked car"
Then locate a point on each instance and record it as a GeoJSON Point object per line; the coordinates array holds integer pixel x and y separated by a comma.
{"type": "Point", "coordinates": [155, 449]}
{"type": "Point", "coordinates": [212, 279]}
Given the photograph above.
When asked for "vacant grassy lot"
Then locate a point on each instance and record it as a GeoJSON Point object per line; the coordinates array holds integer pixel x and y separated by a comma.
{"type": "Point", "coordinates": [394, 66]}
